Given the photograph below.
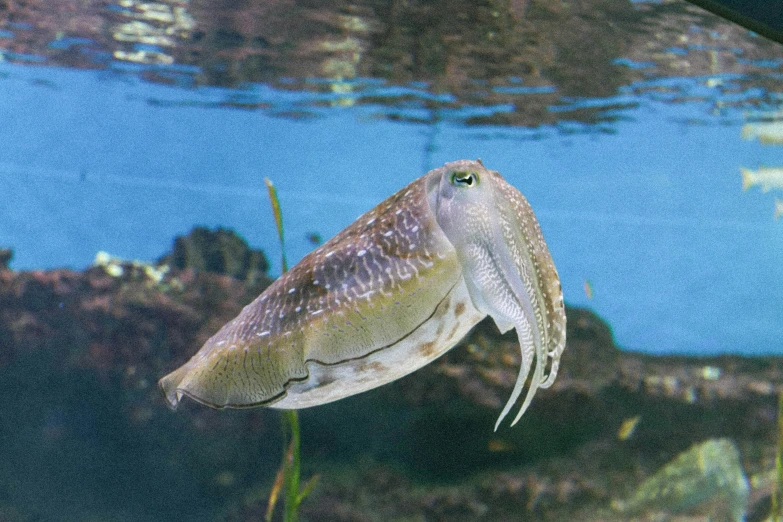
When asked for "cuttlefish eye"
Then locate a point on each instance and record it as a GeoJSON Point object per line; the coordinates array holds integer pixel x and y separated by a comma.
{"type": "Point", "coordinates": [464, 179]}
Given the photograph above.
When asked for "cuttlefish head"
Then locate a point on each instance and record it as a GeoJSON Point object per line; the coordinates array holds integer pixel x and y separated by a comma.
{"type": "Point", "coordinates": [506, 265]}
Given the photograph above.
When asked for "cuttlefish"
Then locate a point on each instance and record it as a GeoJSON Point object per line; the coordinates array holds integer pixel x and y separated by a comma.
{"type": "Point", "coordinates": [395, 290]}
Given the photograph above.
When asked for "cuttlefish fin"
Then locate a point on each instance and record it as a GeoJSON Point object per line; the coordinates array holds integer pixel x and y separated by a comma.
{"type": "Point", "coordinates": [170, 386]}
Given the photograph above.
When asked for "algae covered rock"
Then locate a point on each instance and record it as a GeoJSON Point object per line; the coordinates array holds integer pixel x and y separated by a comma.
{"type": "Point", "coordinates": [6, 254]}
{"type": "Point", "coordinates": [707, 479]}
{"type": "Point", "coordinates": [219, 251]}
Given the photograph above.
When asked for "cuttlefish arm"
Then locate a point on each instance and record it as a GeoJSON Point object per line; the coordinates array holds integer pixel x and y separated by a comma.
{"type": "Point", "coordinates": [507, 267]}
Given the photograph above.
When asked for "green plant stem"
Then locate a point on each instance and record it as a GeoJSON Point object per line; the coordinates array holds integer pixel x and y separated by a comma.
{"type": "Point", "coordinates": [291, 462]}
{"type": "Point", "coordinates": [777, 492]}
{"type": "Point", "coordinates": [292, 496]}
{"type": "Point", "coordinates": [278, 214]}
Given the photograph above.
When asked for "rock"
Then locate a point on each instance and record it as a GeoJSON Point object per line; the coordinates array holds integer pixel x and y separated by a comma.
{"type": "Point", "coordinates": [219, 251]}
{"type": "Point", "coordinates": [707, 480]}
{"type": "Point", "coordinates": [6, 254]}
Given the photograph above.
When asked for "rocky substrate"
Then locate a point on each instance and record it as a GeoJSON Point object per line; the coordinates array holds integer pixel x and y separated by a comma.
{"type": "Point", "coordinates": [80, 412]}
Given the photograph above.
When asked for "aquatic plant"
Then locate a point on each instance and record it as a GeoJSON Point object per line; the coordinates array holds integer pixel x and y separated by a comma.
{"type": "Point", "coordinates": [289, 474]}
{"type": "Point", "coordinates": [777, 492]}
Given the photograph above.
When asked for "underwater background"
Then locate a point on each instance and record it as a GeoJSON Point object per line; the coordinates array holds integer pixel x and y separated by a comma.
{"type": "Point", "coordinates": [647, 136]}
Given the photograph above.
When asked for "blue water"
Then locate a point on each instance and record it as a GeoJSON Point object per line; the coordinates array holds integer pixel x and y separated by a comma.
{"type": "Point", "coordinates": [679, 258]}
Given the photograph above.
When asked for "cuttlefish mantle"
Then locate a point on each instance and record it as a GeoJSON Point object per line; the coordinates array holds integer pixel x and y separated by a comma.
{"type": "Point", "coordinates": [393, 291]}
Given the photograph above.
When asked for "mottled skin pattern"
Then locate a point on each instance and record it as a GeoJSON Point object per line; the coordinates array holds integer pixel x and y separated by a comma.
{"type": "Point", "coordinates": [394, 290]}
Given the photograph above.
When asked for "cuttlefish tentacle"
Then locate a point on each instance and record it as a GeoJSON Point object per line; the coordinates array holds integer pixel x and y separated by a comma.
{"type": "Point", "coordinates": [528, 333]}
{"type": "Point", "coordinates": [511, 273]}
{"type": "Point", "coordinates": [549, 294]}
{"type": "Point", "coordinates": [393, 291]}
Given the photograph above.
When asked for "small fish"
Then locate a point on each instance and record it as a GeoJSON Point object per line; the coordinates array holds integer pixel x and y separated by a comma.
{"type": "Point", "coordinates": [314, 238]}
{"type": "Point", "coordinates": [499, 446]}
{"type": "Point", "coordinates": [395, 290]}
{"type": "Point", "coordinates": [768, 177]}
{"type": "Point", "coordinates": [768, 133]}
{"type": "Point", "coordinates": [778, 208]}
{"type": "Point", "coordinates": [588, 286]}
{"type": "Point", "coordinates": [628, 427]}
